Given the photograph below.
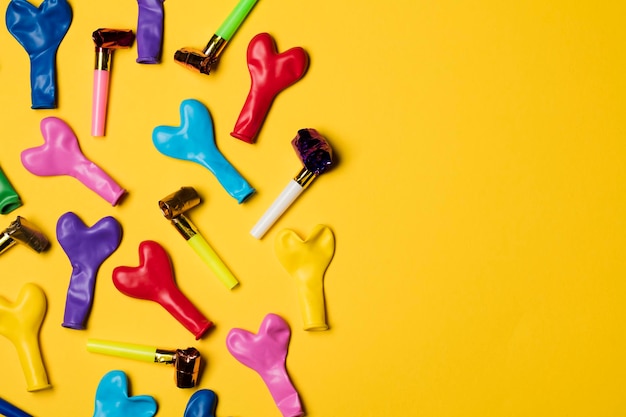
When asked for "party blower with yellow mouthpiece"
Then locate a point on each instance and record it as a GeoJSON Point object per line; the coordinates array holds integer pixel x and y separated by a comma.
{"type": "Point", "coordinates": [186, 362]}
{"type": "Point", "coordinates": [317, 156]}
{"type": "Point", "coordinates": [20, 322]}
{"type": "Point", "coordinates": [173, 208]}
{"type": "Point", "coordinates": [306, 261]}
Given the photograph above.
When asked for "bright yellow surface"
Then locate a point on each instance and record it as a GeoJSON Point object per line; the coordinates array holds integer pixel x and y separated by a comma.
{"type": "Point", "coordinates": [478, 206]}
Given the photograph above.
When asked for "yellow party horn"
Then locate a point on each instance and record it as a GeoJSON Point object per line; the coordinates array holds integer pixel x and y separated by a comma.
{"type": "Point", "coordinates": [20, 322]}
{"type": "Point", "coordinates": [306, 261]}
{"type": "Point", "coordinates": [173, 208]}
{"type": "Point", "coordinates": [186, 362]}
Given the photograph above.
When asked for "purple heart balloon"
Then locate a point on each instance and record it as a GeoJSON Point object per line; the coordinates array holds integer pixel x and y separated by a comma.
{"type": "Point", "coordinates": [86, 248]}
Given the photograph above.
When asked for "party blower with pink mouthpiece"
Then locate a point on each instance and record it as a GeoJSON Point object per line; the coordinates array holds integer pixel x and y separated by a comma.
{"type": "Point", "coordinates": [106, 41]}
{"type": "Point", "coordinates": [317, 156]}
{"type": "Point", "coordinates": [61, 155]}
{"type": "Point", "coordinates": [153, 280]}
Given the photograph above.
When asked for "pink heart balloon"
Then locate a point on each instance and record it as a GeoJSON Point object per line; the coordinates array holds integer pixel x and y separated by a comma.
{"type": "Point", "coordinates": [266, 353]}
{"type": "Point", "coordinates": [61, 155]}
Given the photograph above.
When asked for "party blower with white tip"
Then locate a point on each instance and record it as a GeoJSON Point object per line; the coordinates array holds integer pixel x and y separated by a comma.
{"type": "Point", "coordinates": [317, 156]}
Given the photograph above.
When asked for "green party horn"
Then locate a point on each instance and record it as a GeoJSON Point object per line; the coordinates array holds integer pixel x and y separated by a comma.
{"type": "Point", "coordinates": [203, 60]}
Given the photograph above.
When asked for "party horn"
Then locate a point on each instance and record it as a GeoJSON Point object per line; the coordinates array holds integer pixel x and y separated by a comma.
{"type": "Point", "coordinates": [266, 353]}
{"type": "Point", "coordinates": [153, 280]}
{"type": "Point", "coordinates": [173, 208]}
{"type": "Point", "coordinates": [40, 31]}
{"type": "Point", "coordinates": [9, 199]}
{"type": "Point", "coordinates": [306, 261]}
{"type": "Point", "coordinates": [106, 41]}
{"type": "Point", "coordinates": [86, 248]}
{"type": "Point", "coordinates": [21, 231]}
{"type": "Point", "coordinates": [270, 73]}
{"type": "Point", "coordinates": [317, 156]}
{"type": "Point", "coordinates": [194, 140]}
{"type": "Point", "coordinates": [203, 60]}
{"type": "Point", "coordinates": [61, 155]}
{"type": "Point", "coordinates": [20, 322]}
{"type": "Point", "coordinates": [186, 361]}
{"type": "Point", "coordinates": [9, 410]}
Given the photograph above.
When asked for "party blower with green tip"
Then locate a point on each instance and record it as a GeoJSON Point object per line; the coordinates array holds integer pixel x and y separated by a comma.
{"type": "Point", "coordinates": [203, 60]}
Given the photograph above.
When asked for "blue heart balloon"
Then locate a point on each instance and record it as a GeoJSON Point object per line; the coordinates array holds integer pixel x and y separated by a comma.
{"type": "Point", "coordinates": [40, 31]}
{"type": "Point", "coordinates": [201, 404]}
{"type": "Point", "coordinates": [194, 141]}
{"type": "Point", "coordinates": [112, 399]}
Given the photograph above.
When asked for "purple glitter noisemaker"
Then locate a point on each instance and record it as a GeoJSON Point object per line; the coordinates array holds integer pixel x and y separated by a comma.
{"type": "Point", "coordinates": [317, 156]}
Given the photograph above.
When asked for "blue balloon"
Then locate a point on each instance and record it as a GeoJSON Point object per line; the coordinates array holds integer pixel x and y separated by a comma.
{"type": "Point", "coordinates": [9, 410]}
{"type": "Point", "coordinates": [40, 31]}
{"type": "Point", "coordinates": [194, 141]}
{"type": "Point", "coordinates": [201, 404]}
{"type": "Point", "coordinates": [112, 399]}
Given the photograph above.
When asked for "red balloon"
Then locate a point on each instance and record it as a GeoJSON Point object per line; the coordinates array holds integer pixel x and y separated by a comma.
{"type": "Point", "coordinates": [153, 280]}
{"type": "Point", "coordinates": [271, 73]}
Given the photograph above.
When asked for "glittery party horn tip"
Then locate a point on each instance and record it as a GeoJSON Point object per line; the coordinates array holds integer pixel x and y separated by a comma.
{"type": "Point", "coordinates": [317, 156]}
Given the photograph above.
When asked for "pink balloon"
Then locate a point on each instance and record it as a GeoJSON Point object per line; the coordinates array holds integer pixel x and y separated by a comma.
{"type": "Point", "coordinates": [61, 155]}
{"type": "Point", "coordinates": [266, 353]}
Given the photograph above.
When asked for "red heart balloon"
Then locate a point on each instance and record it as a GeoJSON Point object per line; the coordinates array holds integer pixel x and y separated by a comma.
{"type": "Point", "coordinates": [271, 73]}
{"type": "Point", "coordinates": [153, 280]}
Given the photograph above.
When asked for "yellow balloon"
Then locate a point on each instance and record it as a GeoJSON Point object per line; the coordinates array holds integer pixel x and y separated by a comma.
{"type": "Point", "coordinates": [306, 261]}
{"type": "Point", "coordinates": [20, 322]}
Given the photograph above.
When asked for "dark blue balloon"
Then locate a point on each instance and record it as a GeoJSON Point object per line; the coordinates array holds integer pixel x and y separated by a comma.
{"type": "Point", "coordinates": [9, 410]}
{"type": "Point", "coordinates": [40, 31]}
{"type": "Point", "coordinates": [201, 404]}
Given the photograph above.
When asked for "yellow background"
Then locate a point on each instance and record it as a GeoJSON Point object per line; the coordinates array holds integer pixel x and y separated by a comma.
{"type": "Point", "coordinates": [478, 206]}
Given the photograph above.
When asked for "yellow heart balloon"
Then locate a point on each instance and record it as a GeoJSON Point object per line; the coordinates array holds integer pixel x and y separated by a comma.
{"type": "Point", "coordinates": [306, 261]}
{"type": "Point", "coordinates": [20, 322]}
